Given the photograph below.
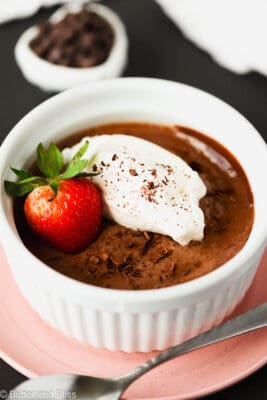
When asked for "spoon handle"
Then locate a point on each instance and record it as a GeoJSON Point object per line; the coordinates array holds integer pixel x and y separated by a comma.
{"type": "Point", "coordinates": [247, 322]}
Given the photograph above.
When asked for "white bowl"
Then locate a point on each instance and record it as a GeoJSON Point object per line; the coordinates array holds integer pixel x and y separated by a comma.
{"type": "Point", "coordinates": [52, 77]}
{"type": "Point", "coordinates": [134, 320]}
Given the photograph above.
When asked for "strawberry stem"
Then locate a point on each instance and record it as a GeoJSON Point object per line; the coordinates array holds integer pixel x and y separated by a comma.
{"type": "Point", "coordinates": [50, 164]}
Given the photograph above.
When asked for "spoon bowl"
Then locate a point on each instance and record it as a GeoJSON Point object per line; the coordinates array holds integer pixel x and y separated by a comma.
{"type": "Point", "coordinates": [69, 386]}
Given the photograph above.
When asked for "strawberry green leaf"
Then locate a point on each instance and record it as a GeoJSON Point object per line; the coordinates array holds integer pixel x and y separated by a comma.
{"type": "Point", "coordinates": [23, 187]}
{"type": "Point", "coordinates": [36, 180]}
{"type": "Point", "coordinates": [14, 190]}
{"type": "Point", "coordinates": [81, 151]}
{"type": "Point", "coordinates": [77, 165]}
{"type": "Point", "coordinates": [42, 159]}
{"type": "Point", "coordinates": [55, 159]}
{"type": "Point", "coordinates": [73, 169]}
{"type": "Point", "coordinates": [21, 173]}
{"type": "Point", "coordinates": [50, 164]}
{"type": "Point", "coordinates": [49, 161]}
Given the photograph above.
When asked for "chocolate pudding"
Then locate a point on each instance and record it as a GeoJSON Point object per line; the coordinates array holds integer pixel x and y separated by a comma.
{"type": "Point", "coordinates": [122, 258]}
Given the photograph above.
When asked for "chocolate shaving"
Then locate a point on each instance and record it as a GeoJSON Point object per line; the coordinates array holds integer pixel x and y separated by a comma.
{"type": "Point", "coordinates": [165, 181]}
{"type": "Point", "coordinates": [119, 234]}
{"type": "Point", "coordinates": [165, 254]}
{"type": "Point", "coordinates": [126, 263]}
{"type": "Point", "coordinates": [146, 235]}
{"type": "Point", "coordinates": [137, 233]}
{"type": "Point", "coordinates": [133, 284]}
{"type": "Point", "coordinates": [112, 263]}
{"type": "Point", "coordinates": [173, 268]}
{"type": "Point", "coordinates": [137, 273]}
{"type": "Point", "coordinates": [147, 245]}
{"type": "Point", "coordinates": [187, 272]}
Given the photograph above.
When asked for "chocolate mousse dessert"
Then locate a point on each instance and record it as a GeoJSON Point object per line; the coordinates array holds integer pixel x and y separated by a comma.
{"type": "Point", "coordinates": [176, 206]}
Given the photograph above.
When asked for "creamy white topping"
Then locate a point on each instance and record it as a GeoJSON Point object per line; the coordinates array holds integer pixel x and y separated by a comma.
{"type": "Point", "coordinates": [146, 187]}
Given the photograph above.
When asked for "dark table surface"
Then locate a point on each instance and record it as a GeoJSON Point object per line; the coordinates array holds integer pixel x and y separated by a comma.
{"type": "Point", "coordinates": [157, 49]}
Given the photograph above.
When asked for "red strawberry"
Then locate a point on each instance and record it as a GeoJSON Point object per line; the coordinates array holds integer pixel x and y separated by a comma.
{"type": "Point", "coordinates": [63, 208]}
{"type": "Point", "coordinates": [71, 220]}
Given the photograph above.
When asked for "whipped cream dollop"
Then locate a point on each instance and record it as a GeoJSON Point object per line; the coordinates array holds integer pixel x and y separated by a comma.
{"type": "Point", "coordinates": [144, 186]}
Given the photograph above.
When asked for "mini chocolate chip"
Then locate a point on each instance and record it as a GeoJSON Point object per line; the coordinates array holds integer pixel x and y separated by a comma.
{"type": "Point", "coordinates": [87, 40]}
{"type": "Point", "coordinates": [89, 34]}
{"type": "Point", "coordinates": [54, 55]}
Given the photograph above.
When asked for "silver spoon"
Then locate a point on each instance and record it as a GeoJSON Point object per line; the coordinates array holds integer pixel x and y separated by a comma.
{"type": "Point", "coordinates": [67, 386]}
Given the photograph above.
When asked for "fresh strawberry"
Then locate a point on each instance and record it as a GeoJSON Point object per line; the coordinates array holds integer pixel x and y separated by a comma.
{"type": "Point", "coordinates": [63, 207]}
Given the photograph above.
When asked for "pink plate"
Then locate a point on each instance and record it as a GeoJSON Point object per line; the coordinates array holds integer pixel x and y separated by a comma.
{"type": "Point", "coordinates": [34, 348]}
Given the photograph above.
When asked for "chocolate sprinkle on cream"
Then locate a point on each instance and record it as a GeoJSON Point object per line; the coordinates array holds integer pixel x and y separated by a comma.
{"type": "Point", "coordinates": [133, 172]}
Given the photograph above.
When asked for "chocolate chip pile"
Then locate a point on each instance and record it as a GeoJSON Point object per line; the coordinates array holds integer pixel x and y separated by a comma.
{"type": "Point", "coordinates": [80, 40]}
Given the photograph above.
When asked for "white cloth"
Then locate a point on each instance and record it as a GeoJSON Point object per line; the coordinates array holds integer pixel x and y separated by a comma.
{"type": "Point", "coordinates": [233, 32]}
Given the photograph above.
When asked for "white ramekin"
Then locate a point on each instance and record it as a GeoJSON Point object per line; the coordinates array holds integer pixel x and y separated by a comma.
{"type": "Point", "coordinates": [134, 320]}
{"type": "Point", "coordinates": [54, 78]}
